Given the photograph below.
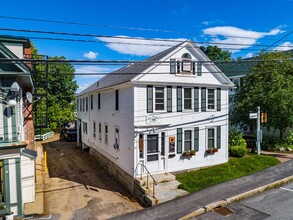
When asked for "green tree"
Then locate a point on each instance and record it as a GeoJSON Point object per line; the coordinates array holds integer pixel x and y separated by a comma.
{"type": "Point", "coordinates": [61, 89]}
{"type": "Point", "coordinates": [216, 54]}
{"type": "Point", "coordinates": [270, 86]}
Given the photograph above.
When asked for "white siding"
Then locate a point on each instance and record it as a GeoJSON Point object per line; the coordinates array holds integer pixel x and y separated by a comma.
{"type": "Point", "coordinates": [17, 49]}
{"type": "Point", "coordinates": [122, 118]}
{"type": "Point", "coordinates": [27, 179]}
{"type": "Point", "coordinates": [186, 120]}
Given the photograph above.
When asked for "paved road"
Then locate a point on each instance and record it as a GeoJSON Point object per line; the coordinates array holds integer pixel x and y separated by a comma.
{"type": "Point", "coordinates": [270, 205]}
{"type": "Point", "coordinates": [182, 206]}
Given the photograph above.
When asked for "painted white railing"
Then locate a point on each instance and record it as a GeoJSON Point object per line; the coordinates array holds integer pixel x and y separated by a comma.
{"type": "Point", "coordinates": [43, 137]}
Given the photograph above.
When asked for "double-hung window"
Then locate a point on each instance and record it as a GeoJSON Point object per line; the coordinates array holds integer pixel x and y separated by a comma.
{"type": "Point", "coordinates": [116, 145]}
{"type": "Point", "coordinates": [116, 100]}
{"type": "Point", "coordinates": [214, 137]}
{"type": "Point", "coordinates": [106, 133]}
{"type": "Point", "coordinates": [94, 129]}
{"type": "Point", "coordinates": [187, 99]}
{"type": "Point", "coordinates": [187, 140]}
{"type": "Point", "coordinates": [100, 131]}
{"type": "Point", "coordinates": [159, 98]}
{"type": "Point", "coordinates": [211, 99]}
{"type": "Point", "coordinates": [211, 137]}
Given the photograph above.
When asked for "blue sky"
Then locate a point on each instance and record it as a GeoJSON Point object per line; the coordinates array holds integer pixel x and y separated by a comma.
{"type": "Point", "coordinates": [220, 22]}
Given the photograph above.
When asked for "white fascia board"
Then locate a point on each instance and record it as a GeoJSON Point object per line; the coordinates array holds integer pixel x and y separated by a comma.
{"type": "Point", "coordinates": [183, 84]}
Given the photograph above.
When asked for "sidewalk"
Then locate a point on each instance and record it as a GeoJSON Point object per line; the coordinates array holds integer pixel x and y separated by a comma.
{"type": "Point", "coordinates": [281, 156]}
{"type": "Point", "coordinates": [216, 195]}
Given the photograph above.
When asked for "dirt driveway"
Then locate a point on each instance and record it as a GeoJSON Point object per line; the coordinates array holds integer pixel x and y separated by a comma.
{"type": "Point", "coordinates": [79, 189]}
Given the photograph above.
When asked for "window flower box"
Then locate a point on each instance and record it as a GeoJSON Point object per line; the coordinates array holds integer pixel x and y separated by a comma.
{"type": "Point", "coordinates": [211, 150]}
{"type": "Point", "coordinates": [188, 154]}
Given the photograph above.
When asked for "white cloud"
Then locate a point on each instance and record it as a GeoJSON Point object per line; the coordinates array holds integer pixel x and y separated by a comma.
{"type": "Point", "coordinates": [91, 55]}
{"type": "Point", "coordinates": [249, 55]}
{"type": "Point", "coordinates": [235, 38]}
{"type": "Point", "coordinates": [285, 46]}
{"type": "Point", "coordinates": [82, 87]}
{"type": "Point", "coordinates": [90, 71]}
{"type": "Point", "coordinates": [139, 46]}
{"type": "Point", "coordinates": [207, 22]}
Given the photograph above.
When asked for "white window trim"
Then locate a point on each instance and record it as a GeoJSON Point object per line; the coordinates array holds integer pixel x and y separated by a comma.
{"type": "Point", "coordinates": [183, 138]}
{"type": "Point", "coordinates": [186, 73]}
{"type": "Point", "coordinates": [100, 131]}
{"type": "Point", "coordinates": [106, 134]}
{"type": "Point", "coordinates": [116, 143]}
{"type": "Point", "coordinates": [94, 129]}
{"type": "Point", "coordinates": [154, 99]}
{"type": "Point", "coordinates": [207, 136]}
{"type": "Point", "coordinates": [207, 100]}
{"type": "Point", "coordinates": [192, 100]}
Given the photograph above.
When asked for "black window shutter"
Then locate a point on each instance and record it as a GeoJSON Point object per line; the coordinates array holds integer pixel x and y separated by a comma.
{"type": "Point", "coordinates": [173, 66]}
{"type": "Point", "coordinates": [219, 137]}
{"type": "Point", "coordinates": [193, 68]}
{"type": "Point", "coordinates": [179, 99]}
{"type": "Point", "coordinates": [196, 138]}
{"type": "Point", "coordinates": [169, 98]}
{"type": "Point", "coordinates": [99, 100]}
{"type": "Point", "coordinates": [218, 99]}
{"type": "Point", "coordinates": [179, 140]}
{"type": "Point", "coordinates": [149, 99]}
{"type": "Point", "coordinates": [203, 100]}
{"type": "Point", "coordinates": [199, 68]}
{"type": "Point", "coordinates": [196, 99]}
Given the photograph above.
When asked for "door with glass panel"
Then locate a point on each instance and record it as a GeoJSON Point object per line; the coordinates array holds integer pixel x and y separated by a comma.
{"type": "Point", "coordinates": [153, 153]}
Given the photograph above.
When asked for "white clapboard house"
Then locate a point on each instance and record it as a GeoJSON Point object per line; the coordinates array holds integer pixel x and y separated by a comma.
{"type": "Point", "coordinates": [17, 147]}
{"type": "Point", "coordinates": [154, 113]}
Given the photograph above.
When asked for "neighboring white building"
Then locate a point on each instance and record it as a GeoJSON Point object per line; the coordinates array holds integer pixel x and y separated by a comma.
{"type": "Point", "coordinates": [152, 111]}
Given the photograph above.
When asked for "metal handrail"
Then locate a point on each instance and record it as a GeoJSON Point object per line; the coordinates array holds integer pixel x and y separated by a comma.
{"type": "Point", "coordinates": [148, 173]}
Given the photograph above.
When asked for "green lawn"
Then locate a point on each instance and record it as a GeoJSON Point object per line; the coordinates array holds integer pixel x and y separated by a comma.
{"type": "Point", "coordinates": [235, 168]}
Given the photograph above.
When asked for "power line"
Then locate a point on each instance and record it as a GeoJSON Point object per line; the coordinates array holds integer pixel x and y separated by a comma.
{"type": "Point", "coordinates": [116, 27]}
{"type": "Point", "coordinates": [129, 38]}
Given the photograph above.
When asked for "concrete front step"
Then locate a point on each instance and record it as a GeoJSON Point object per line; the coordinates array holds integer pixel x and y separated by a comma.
{"type": "Point", "coordinates": [163, 186]}
{"type": "Point", "coordinates": [166, 195]}
{"type": "Point", "coordinates": [161, 177]}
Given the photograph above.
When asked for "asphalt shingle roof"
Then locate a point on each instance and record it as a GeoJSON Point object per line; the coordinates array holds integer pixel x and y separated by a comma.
{"type": "Point", "coordinates": [127, 73]}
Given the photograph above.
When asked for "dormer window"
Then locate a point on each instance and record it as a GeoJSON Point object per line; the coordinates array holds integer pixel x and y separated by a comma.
{"type": "Point", "coordinates": [185, 66]}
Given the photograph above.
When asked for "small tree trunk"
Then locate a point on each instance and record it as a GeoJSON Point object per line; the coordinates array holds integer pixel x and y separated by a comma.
{"type": "Point", "coordinates": [282, 131]}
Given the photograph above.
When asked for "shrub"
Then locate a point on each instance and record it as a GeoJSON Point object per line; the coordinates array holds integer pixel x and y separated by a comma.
{"type": "Point", "coordinates": [235, 138]}
{"type": "Point", "coordinates": [270, 141]}
{"type": "Point", "coordinates": [237, 151]}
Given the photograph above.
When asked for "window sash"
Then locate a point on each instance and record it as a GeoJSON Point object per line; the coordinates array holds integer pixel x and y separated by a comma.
{"type": "Point", "coordinates": [179, 140]}
{"type": "Point", "coordinates": [187, 99]}
{"type": "Point", "coordinates": [116, 100]}
{"type": "Point", "coordinates": [159, 99]}
{"type": "Point", "coordinates": [149, 99]}
{"type": "Point", "coordinates": [99, 100]}
{"type": "Point", "coordinates": [211, 99]}
{"type": "Point", "coordinates": [163, 144]}
{"type": "Point", "coordinates": [187, 140]}
{"type": "Point", "coordinates": [211, 138]}
{"type": "Point", "coordinates": [179, 99]}
{"type": "Point", "coordinates": [169, 98]}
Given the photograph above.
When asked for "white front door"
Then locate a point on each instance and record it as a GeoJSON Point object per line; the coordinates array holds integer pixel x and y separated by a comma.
{"type": "Point", "coordinates": [153, 153]}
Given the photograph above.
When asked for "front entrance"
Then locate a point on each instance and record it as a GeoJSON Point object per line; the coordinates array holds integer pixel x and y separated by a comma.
{"type": "Point", "coordinates": [153, 153]}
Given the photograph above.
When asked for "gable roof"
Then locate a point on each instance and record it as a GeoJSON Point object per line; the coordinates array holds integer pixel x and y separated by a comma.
{"type": "Point", "coordinates": [127, 73]}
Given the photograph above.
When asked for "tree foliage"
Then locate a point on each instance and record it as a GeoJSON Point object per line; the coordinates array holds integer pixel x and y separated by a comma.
{"type": "Point", "coordinates": [61, 89]}
{"type": "Point", "coordinates": [216, 54]}
{"type": "Point", "coordinates": [270, 86]}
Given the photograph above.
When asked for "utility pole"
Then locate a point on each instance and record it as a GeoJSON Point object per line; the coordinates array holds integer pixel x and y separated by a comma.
{"type": "Point", "coordinates": [259, 133]}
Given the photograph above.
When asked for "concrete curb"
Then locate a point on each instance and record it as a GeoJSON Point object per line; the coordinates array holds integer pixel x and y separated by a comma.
{"type": "Point", "coordinates": [239, 197]}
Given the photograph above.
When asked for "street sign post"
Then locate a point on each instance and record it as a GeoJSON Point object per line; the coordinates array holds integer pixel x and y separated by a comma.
{"type": "Point", "coordinates": [256, 115]}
